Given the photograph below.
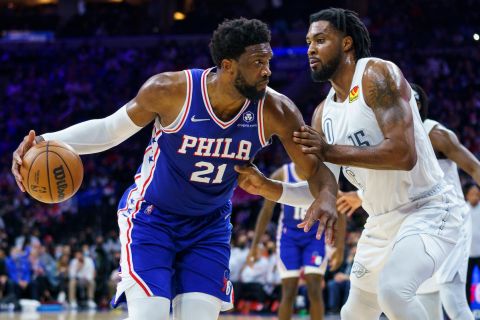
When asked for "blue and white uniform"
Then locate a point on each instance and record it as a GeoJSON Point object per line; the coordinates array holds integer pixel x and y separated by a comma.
{"type": "Point", "coordinates": [296, 248]}
{"type": "Point", "coordinates": [175, 219]}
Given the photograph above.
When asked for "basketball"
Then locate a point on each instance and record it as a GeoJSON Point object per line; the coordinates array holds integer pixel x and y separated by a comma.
{"type": "Point", "coordinates": [51, 171]}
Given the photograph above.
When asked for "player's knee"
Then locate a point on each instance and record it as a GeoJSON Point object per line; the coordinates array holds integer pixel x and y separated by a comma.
{"type": "Point", "coordinates": [391, 294]}
{"type": "Point", "coordinates": [289, 292]}
{"type": "Point", "coordinates": [155, 308]}
{"type": "Point", "coordinates": [195, 305]}
{"type": "Point", "coordinates": [314, 290]}
{"type": "Point", "coordinates": [347, 312]}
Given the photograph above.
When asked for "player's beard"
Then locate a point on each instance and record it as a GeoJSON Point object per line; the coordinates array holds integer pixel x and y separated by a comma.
{"type": "Point", "coordinates": [326, 71]}
{"type": "Point", "coordinates": [246, 90]}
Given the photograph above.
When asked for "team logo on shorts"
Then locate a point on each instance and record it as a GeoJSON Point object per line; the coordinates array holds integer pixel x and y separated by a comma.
{"type": "Point", "coordinates": [248, 116]}
{"type": "Point", "coordinates": [353, 94]}
{"type": "Point", "coordinates": [149, 209]}
{"type": "Point", "coordinates": [227, 285]}
{"type": "Point", "coordinates": [359, 270]}
{"type": "Point", "coordinates": [316, 259]}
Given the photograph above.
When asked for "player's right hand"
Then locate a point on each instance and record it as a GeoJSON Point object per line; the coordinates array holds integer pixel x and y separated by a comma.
{"type": "Point", "coordinates": [322, 210]}
{"type": "Point", "coordinates": [348, 202]}
{"type": "Point", "coordinates": [27, 143]}
{"type": "Point", "coordinates": [250, 179]}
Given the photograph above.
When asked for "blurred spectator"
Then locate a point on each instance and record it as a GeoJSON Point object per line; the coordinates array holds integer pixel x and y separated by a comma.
{"type": "Point", "coordinates": [81, 273]}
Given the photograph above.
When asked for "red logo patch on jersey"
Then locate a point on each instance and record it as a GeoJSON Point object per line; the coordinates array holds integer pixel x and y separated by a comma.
{"type": "Point", "coordinates": [353, 94]}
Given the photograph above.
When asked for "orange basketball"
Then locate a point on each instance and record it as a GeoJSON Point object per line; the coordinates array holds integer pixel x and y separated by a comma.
{"type": "Point", "coordinates": [51, 171]}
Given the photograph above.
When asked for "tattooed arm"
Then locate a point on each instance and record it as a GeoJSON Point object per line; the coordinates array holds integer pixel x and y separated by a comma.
{"type": "Point", "coordinates": [387, 93]}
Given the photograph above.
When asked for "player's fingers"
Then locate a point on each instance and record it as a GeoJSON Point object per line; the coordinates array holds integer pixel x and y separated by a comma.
{"type": "Point", "coordinates": [343, 208]}
{"type": "Point", "coordinates": [20, 185]}
{"type": "Point", "coordinates": [320, 229]}
{"type": "Point", "coordinates": [310, 150]}
{"type": "Point", "coordinates": [351, 211]}
{"type": "Point", "coordinates": [341, 199]}
{"type": "Point", "coordinates": [241, 169]}
{"type": "Point", "coordinates": [330, 231]}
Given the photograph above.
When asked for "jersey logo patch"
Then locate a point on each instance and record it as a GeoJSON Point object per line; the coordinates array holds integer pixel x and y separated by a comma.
{"type": "Point", "coordinates": [248, 116]}
{"type": "Point", "coordinates": [353, 94]}
{"type": "Point", "coordinates": [193, 119]}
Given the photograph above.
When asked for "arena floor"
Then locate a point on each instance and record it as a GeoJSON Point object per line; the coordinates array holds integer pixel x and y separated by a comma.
{"type": "Point", "coordinates": [115, 316]}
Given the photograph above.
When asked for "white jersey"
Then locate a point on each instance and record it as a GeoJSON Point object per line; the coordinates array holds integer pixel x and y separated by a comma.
{"type": "Point", "coordinates": [449, 167]}
{"type": "Point", "coordinates": [353, 122]}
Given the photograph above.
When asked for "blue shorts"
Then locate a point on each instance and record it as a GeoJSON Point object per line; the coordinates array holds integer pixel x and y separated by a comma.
{"type": "Point", "coordinates": [297, 249]}
{"type": "Point", "coordinates": [169, 254]}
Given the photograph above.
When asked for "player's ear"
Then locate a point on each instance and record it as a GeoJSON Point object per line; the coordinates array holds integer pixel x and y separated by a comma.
{"type": "Point", "coordinates": [228, 65]}
{"type": "Point", "coordinates": [347, 43]}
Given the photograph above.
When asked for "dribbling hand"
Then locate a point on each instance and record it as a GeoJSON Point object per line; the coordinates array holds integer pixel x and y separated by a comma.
{"type": "Point", "coordinates": [322, 210]}
{"type": "Point", "coordinates": [25, 145]}
{"type": "Point", "coordinates": [348, 202]}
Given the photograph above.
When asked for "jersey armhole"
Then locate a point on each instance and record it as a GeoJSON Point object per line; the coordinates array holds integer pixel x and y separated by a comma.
{"type": "Point", "coordinates": [178, 123]}
{"type": "Point", "coordinates": [261, 127]}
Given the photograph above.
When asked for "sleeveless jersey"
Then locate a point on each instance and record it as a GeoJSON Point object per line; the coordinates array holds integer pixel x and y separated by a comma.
{"type": "Point", "coordinates": [449, 167]}
{"type": "Point", "coordinates": [291, 216]}
{"type": "Point", "coordinates": [188, 165]}
{"type": "Point", "coordinates": [352, 122]}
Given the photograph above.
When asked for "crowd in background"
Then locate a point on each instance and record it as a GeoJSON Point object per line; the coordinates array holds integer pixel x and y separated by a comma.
{"type": "Point", "coordinates": [69, 252]}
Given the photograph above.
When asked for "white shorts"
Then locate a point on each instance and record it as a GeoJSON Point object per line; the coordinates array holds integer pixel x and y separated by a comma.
{"type": "Point", "coordinates": [456, 262]}
{"type": "Point", "coordinates": [436, 219]}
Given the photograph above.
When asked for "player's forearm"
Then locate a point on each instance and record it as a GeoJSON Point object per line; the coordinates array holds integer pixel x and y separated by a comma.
{"type": "Point", "coordinates": [323, 181]}
{"type": "Point", "coordinates": [384, 156]}
{"type": "Point", "coordinates": [263, 219]}
{"type": "Point", "coordinates": [341, 229]}
{"type": "Point", "coordinates": [97, 135]}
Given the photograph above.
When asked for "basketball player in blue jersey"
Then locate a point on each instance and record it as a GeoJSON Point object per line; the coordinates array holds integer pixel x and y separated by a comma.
{"type": "Point", "coordinates": [369, 124]}
{"type": "Point", "coordinates": [447, 287]}
{"type": "Point", "coordinates": [296, 250]}
{"type": "Point", "coordinates": [174, 220]}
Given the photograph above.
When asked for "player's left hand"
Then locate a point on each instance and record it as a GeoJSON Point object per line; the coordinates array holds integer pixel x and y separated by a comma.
{"type": "Point", "coordinates": [336, 259]}
{"type": "Point", "coordinates": [311, 141]}
{"type": "Point", "coordinates": [324, 211]}
{"type": "Point", "coordinates": [250, 179]}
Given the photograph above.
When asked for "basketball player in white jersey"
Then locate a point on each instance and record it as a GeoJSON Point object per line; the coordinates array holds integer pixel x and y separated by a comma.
{"type": "Point", "coordinates": [369, 124]}
{"type": "Point", "coordinates": [447, 287]}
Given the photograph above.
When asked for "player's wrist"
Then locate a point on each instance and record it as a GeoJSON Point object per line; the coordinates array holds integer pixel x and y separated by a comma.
{"type": "Point", "coordinates": [271, 189]}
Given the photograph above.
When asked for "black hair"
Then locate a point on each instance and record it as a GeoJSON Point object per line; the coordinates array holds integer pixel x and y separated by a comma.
{"type": "Point", "coordinates": [423, 99]}
{"type": "Point", "coordinates": [231, 38]}
{"type": "Point", "coordinates": [349, 23]}
{"type": "Point", "coordinates": [467, 186]}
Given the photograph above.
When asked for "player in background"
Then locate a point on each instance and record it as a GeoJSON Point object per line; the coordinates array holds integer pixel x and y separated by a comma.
{"type": "Point", "coordinates": [296, 250]}
{"type": "Point", "coordinates": [175, 219]}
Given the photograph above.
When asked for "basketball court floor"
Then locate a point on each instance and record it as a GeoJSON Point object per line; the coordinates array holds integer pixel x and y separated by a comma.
{"type": "Point", "coordinates": [120, 316]}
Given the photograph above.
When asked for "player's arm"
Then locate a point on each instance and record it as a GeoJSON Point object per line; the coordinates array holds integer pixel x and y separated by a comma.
{"type": "Point", "coordinates": [387, 93]}
{"type": "Point", "coordinates": [161, 95]}
{"type": "Point", "coordinates": [446, 142]}
{"type": "Point", "coordinates": [283, 119]}
{"type": "Point", "coordinates": [263, 219]}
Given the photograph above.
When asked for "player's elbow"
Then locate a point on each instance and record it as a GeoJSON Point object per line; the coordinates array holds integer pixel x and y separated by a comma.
{"type": "Point", "coordinates": [408, 160]}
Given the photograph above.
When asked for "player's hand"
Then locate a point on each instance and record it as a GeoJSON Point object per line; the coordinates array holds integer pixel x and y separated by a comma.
{"type": "Point", "coordinates": [27, 143]}
{"type": "Point", "coordinates": [252, 256]}
{"type": "Point", "coordinates": [336, 259]}
{"type": "Point", "coordinates": [250, 179]}
{"type": "Point", "coordinates": [311, 141]}
{"type": "Point", "coordinates": [322, 210]}
{"type": "Point", "coordinates": [348, 202]}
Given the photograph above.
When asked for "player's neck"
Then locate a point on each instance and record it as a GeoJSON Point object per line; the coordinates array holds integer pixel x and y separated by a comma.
{"type": "Point", "coordinates": [224, 98]}
{"type": "Point", "coordinates": [342, 79]}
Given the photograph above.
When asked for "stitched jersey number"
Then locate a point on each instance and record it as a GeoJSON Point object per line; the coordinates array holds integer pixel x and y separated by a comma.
{"type": "Point", "coordinates": [358, 139]}
{"type": "Point", "coordinates": [208, 168]}
{"type": "Point", "coordinates": [299, 213]}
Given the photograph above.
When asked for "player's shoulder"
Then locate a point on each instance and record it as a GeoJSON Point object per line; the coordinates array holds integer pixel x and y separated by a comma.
{"type": "Point", "coordinates": [276, 102]}
{"type": "Point", "coordinates": [377, 67]}
{"type": "Point", "coordinates": [165, 87]}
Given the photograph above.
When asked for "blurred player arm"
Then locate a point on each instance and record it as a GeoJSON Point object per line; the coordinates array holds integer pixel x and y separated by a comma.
{"type": "Point", "coordinates": [160, 95]}
{"type": "Point", "coordinates": [387, 93]}
{"type": "Point", "coordinates": [264, 217]}
{"type": "Point", "coordinates": [446, 142]}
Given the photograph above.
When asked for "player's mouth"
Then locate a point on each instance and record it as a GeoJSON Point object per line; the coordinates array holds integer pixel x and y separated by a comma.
{"type": "Point", "coordinates": [263, 83]}
{"type": "Point", "coordinates": [314, 62]}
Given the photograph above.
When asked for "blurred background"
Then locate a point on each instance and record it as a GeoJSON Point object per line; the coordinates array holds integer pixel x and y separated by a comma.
{"type": "Point", "coordinates": [66, 61]}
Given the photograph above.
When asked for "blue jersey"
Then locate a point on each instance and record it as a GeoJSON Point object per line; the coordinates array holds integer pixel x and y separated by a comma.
{"type": "Point", "coordinates": [291, 216]}
{"type": "Point", "coordinates": [188, 166]}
